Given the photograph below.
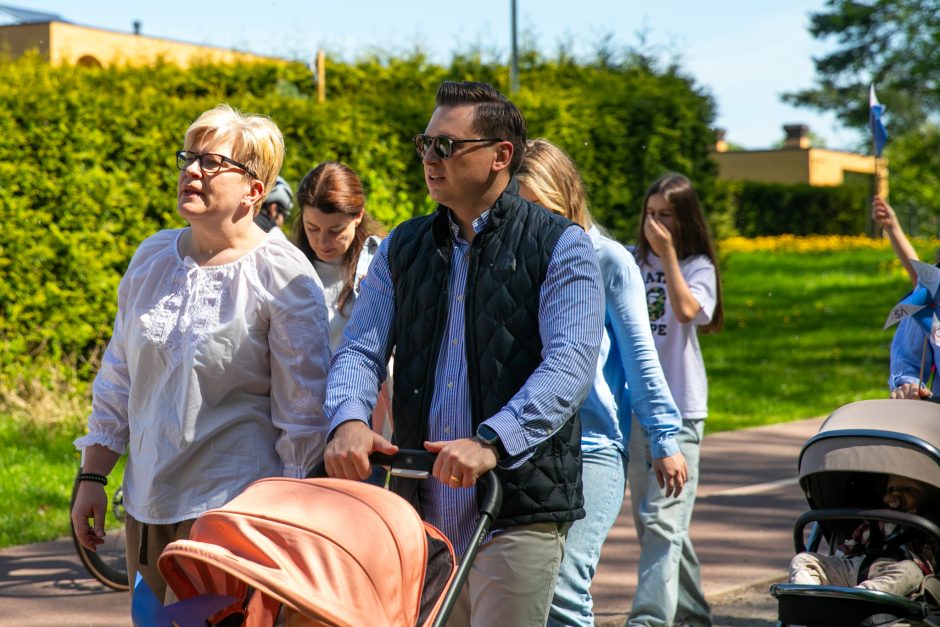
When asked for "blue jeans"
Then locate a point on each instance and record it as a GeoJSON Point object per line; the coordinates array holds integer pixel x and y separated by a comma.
{"type": "Point", "coordinates": [669, 584]}
{"type": "Point", "coordinates": [604, 474]}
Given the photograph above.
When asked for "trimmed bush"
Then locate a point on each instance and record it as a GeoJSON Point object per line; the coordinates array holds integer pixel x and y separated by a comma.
{"type": "Point", "coordinates": [775, 209]}
{"type": "Point", "coordinates": [87, 168]}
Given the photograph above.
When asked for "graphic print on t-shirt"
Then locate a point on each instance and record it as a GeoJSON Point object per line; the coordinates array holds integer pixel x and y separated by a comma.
{"type": "Point", "coordinates": [656, 302]}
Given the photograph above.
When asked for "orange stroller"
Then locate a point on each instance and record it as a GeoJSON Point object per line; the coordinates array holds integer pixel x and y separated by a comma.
{"type": "Point", "coordinates": [316, 552]}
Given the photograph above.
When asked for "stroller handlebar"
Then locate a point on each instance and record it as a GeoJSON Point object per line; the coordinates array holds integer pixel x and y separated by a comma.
{"type": "Point", "coordinates": [418, 464]}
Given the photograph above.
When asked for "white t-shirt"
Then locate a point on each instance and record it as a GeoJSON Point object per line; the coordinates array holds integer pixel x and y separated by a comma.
{"type": "Point", "coordinates": [676, 342]}
{"type": "Point", "coordinates": [215, 376]}
{"type": "Point", "coordinates": [331, 273]}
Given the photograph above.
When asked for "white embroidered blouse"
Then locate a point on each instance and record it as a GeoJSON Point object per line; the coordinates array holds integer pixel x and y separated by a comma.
{"type": "Point", "coordinates": [214, 377]}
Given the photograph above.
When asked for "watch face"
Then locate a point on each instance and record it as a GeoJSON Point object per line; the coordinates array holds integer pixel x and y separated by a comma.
{"type": "Point", "coordinates": [487, 434]}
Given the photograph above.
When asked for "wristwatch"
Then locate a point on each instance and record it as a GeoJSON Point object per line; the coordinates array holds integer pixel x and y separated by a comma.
{"type": "Point", "coordinates": [488, 435]}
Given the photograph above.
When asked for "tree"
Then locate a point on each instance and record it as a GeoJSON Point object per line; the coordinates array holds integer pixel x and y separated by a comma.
{"type": "Point", "coordinates": [894, 44]}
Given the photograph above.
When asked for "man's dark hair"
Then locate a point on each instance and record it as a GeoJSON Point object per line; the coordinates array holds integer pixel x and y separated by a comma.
{"type": "Point", "coordinates": [494, 115]}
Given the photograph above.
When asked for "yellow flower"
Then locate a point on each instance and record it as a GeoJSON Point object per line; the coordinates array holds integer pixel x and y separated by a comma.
{"type": "Point", "coordinates": [806, 243]}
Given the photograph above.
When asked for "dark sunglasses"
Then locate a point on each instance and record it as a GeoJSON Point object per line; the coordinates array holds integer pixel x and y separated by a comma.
{"type": "Point", "coordinates": [209, 162]}
{"type": "Point", "coordinates": [443, 146]}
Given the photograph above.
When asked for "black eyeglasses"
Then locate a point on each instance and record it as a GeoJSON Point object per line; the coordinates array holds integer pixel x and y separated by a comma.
{"type": "Point", "coordinates": [444, 146]}
{"type": "Point", "coordinates": [209, 162]}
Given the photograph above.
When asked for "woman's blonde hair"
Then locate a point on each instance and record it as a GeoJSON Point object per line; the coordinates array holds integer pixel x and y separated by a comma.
{"type": "Point", "coordinates": [256, 141]}
{"type": "Point", "coordinates": [552, 177]}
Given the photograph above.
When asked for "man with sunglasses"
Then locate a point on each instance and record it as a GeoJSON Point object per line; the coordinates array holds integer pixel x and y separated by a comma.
{"type": "Point", "coordinates": [494, 309]}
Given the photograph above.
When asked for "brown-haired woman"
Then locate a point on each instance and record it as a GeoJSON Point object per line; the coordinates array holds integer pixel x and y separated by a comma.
{"type": "Point", "coordinates": [677, 259]}
{"type": "Point", "coordinates": [339, 237]}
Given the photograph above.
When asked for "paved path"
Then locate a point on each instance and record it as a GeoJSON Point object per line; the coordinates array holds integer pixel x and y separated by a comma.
{"type": "Point", "coordinates": [748, 500]}
{"type": "Point", "coordinates": [742, 526]}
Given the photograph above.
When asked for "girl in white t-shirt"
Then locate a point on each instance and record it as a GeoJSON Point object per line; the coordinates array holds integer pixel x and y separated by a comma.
{"type": "Point", "coordinates": [339, 237]}
{"type": "Point", "coordinates": [677, 260]}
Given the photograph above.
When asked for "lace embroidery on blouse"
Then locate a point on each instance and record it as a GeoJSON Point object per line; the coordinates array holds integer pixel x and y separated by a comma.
{"type": "Point", "coordinates": [190, 308]}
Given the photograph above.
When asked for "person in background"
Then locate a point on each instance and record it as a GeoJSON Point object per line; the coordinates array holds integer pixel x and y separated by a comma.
{"type": "Point", "coordinates": [276, 208]}
{"type": "Point", "coordinates": [340, 238]}
{"type": "Point", "coordinates": [677, 260]}
{"type": "Point", "coordinates": [627, 375]}
{"type": "Point", "coordinates": [337, 235]}
{"type": "Point", "coordinates": [494, 308]}
{"type": "Point", "coordinates": [913, 357]}
{"type": "Point", "coordinates": [216, 370]}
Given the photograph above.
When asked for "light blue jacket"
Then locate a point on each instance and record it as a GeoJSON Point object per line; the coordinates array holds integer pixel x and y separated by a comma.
{"type": "Point", "coordinates": [628, 372]}
{"type": "Point", "coordinates": [907, 349]}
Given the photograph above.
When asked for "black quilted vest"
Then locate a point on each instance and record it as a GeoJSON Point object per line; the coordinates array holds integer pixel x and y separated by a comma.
{"type": "Point", "coordinates": [508, 262]}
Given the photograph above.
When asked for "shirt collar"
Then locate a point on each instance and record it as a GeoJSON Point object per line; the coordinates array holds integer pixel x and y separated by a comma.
{"type": "Point", "coordinates": [478, 225]}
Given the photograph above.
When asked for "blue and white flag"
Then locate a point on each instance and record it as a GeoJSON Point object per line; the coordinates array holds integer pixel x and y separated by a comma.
{"type": "Point", "coordinates": [923, 302]}
{"type": "Point", "coordinates": [876, 111]}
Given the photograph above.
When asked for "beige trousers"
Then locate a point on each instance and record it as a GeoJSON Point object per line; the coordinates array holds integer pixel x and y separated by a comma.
{"type": "Point", "coordinates": [512, 579]}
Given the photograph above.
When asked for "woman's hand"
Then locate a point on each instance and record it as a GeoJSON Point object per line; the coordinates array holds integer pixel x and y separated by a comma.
{"type": "Point", "coordinates": [671, 473]}
{"type": "Point", "coordinates": [658, 236]}
{"type": "Point", "coordinates": [91, 502]}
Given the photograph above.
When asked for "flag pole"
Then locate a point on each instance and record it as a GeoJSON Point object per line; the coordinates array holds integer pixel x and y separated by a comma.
{"type": "Point", "coordinates": [923, 361]}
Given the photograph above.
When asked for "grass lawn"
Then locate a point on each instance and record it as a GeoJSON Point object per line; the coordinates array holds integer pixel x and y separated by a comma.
{"type": "Point", "coordinates": [37, 467]}
{"type": "Point", "coordinates": [803, 335]}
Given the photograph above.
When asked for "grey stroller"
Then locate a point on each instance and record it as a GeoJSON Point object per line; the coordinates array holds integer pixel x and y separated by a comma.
{"type": "Point", "coordinates": [843, 470]}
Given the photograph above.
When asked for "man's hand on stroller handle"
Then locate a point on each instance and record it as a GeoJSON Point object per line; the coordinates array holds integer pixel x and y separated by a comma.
{"type": "Point", "coordinates": [461, 462]}
{"type": "Point", "coordinates": [671, 473]}
{"type": "Point", "coordinates": [347, 454]}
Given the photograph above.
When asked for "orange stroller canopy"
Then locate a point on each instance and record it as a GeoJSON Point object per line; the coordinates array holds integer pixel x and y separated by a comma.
{"type": "Point", "coordinates": [338, 552]}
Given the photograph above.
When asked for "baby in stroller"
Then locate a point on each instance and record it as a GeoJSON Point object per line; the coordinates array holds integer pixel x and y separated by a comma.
{"type": "Point", "coordinates": [871, 477]}
{"type": "Point", "coordinates": [881, 557]}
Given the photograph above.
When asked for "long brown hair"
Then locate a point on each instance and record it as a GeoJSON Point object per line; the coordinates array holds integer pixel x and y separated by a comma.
{"type": "Point", "coordinates": [334, 188]}
{"type": "Point", "coordinates": [692, 235]}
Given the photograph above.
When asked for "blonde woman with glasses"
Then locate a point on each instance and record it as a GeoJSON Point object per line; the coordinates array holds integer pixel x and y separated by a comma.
{"type": "Point", "coordinates": [216, 370]}
{"type": "Point", "coordinates": [628, 377]}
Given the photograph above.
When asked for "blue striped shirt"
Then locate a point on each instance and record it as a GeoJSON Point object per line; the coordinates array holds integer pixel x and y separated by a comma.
{"type": "Point", "coordinates": [571, 320]}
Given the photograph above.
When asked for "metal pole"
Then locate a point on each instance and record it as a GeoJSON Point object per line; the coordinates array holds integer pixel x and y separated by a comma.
{"type": "Point", "coordinates": [514, 55]}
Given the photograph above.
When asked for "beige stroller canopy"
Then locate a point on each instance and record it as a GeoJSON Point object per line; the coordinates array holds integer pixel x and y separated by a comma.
{"type": "Point", "coordinates": [338, 552]}
{"type": "Point", "coordinates": [889, 436]}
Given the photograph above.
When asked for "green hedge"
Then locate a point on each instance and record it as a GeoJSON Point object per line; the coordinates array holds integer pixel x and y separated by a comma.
{"type": "Point", "coordinates": [87, 169]}
{"type": "Point", "coordinates": [775, 209]}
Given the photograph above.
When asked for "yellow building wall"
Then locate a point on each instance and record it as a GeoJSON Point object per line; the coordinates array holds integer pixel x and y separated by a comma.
{"type": "Point", "coordinates": [828, 167]}
{"type": "Point", "coordinates": [64, 43]}
{"type": "Point", "coordinates": [813, 166]}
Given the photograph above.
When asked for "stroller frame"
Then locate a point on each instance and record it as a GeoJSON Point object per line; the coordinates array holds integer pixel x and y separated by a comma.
{"type": "Point", "coordinates": [851, 446]}
{"type": "Point", "coordinates": [206, 555]}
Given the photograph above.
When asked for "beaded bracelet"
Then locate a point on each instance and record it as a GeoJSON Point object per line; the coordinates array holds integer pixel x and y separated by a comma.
{"type": "Point", "coordinates": [93, 476]}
